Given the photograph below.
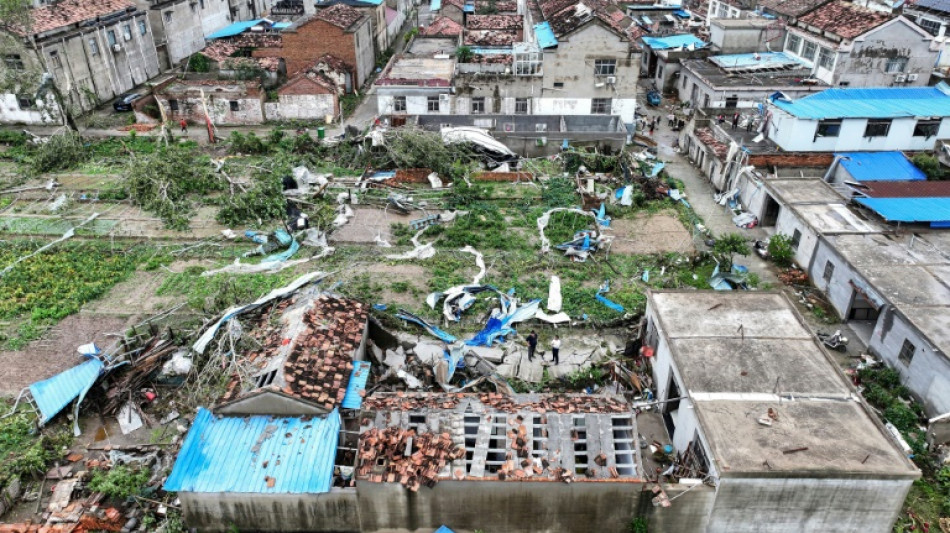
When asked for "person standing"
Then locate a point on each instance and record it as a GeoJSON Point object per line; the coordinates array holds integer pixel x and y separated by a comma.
{"type": "Point", "coordinates": [184, 126]}
{"type": "Point", "coordinates": [652, 126]}
{"type": "Point", "coordinates": [556, 348]}
{"type": "Point", "coordinates": [735, 121]}
{"type": "Point", "coordinates": [670, 120]}
{"type": "Point", "coordinates": [532, 344]}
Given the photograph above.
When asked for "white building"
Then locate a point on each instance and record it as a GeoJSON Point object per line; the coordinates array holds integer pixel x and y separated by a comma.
{"type": "Point", "coordinates": [181, 26]}
{"type": "Point", "coordinates": [861, 120]}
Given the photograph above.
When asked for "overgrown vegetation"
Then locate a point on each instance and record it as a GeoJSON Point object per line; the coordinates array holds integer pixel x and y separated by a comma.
{"type": "Point", "coordinates": [781, 251]}
{"type": "Point", "coordinates": [212, 294]}
{"type": "Point", "coordinates": [24, 451]}
{"type": "Point", "coordinates": [930, 166]}
{"type": "Point", "coordinates": [728, 246]}
{"type": "Point", "coordinates": [120, 482]}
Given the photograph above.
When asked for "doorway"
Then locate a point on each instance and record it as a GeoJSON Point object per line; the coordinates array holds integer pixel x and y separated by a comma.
{"type": "Point", "coordinates": [861, 307]}
{"type": "Point", "coordinates": [772, 209]}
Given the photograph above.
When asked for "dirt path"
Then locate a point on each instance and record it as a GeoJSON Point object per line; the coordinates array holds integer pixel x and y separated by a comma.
{"type": "Point", "coordinates": [650, 234]}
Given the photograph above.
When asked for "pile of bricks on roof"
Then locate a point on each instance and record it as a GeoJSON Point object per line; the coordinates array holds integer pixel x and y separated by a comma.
{"type": "Point", "coordinates": [67, 12]}
{"type": "Point", "coordinates": [555, 403]}
{"type": "Point", "coordinates": [320, 364]}
{"type": "Point", "coordinates": [258, 40]}
{"type": "Point", "coordinates": [340, 15]}
{"type": "Point", "coordinates": [706, 136]}
{"type": "Point", "coordinates": [401, 455]}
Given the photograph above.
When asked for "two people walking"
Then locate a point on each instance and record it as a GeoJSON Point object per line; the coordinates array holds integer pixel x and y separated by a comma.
{"type": "Point", "coordinates": [532, 340]}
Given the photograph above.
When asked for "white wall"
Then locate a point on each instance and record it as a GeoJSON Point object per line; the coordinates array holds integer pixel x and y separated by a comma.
{"type": "Point", "coordinates": [415, 104]}
{"type": "Point", "coordinates": [798, 135]}
{"type": "Point", "coordinates": [786, 224]}
{"type": "Point", "coordinates": [306, 106]}
{"type": "Point", "coordinates": [44, 112]}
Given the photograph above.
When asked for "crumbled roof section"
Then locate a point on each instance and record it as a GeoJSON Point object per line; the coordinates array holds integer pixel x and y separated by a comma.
{"type": "Point", "coordinates": [502, 6]}
{"type": "Point", "coordinates": [67, 12]}
{"type": "Point", "coordinates": [332, 62]}
{"type": "Point", "coordinates": [494, 22]}
{"type": "Point", "coordinates": [491, 37]}
{"type": "Point", "coordinates": [219, 50]}
{"type": "Point", "coordinates": [442, 27]}
{"type": "Point", "coordinates": [258, 40]}
{"type": "Point", "coordinates": [791, 8]}
{"type": "Point", "coordinates": [555, 403]}
{"type": "Point", "coordinates": [340, 15]}
{"type": "Point", "coordinates": [319, 366]}
{"type": "Point", "coordinates": [222, 52]}
{"type": "Point", "coordinates": [705, 136]}
{"type": "Point", "coordinates": [844, 19]}
{"type": "Point", "coordinates": [386, 456]}
{"type": "Point", "coordinates": [565, 16]}
{"type": "Point", "coordinates": [316, 77]}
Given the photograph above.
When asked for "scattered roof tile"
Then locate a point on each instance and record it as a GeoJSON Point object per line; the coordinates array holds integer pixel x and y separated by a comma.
{"type": "Point", "coordinates": [340, 15]}
{"type": "Point", "coordinates": [67, 12]}
{"type": "Point", "coordinates": [495, 22]}
{"type": "Point", "coordinates": [331, 62]}
{"type": "Point", "coordinates": [706, 136]}
{"type": "Point", "coordinates": [491, 37]}
{"type": "Point", "coordinates": [791, 8]}
{"type": "Point", "coordinates": [386, 456]}
{"type": "Point", "coordinates": [442, 27]}
{"type": "Point", "coordinates": [844, 19]}
{"type": "Point", "coordinates": [565, 16]}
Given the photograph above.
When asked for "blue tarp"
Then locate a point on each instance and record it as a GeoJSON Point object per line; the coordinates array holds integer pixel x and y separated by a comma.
{"type": "Point", "coordinates": [545, 35]}
{"type": "Point", "coordinates": [674, 41]}
{"type": "Point", "coordinates": [499, 325]}
{"type": "Point", "coordinates": [409, 317]}
{"type": "Point", "coordinates": [890, 102]}
{"type": "Point", "coordinates": [880, 166]}
{"type": "Point", "coordinates": [646, 20]}
{"type": "Point", "coordinates": [682, 13]}
{"type": "Point", "coordinates": [758, 60]}
{"type": "Point", "coordinates": [604, 289]}
{"type": "Point", "coordinates": [257, 454]}
{"type": "Point", "coordinates": [602, 217]}
{"type": "Point", "coordinates": [54, 394]}
{"type": "Point", "coordinates": [280, 25]}
{"type": "Point", "coordinates": [357, 384]}
{"type": "Point", "coordinates": [443, 529]}
{"type": "Point", "coordinates": [656, 169]}
{"type": "Point", "coordinates": [435, 5]}
{"type": "Point", "coordinates": [933, 210]}
{"type": "Point", "coordinates": [234, 29]}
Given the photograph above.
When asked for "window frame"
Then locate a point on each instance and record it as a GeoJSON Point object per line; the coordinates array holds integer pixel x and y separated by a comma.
{"type": "Point", "coordinates": [54, 59]}
{"type": "Point", "coordinates": [814, 51]}
{"type": "Point", "coordinates": [896, 65]}
{"type": "Point", "coordinates": [127, 32]}
{"type": "Point", "coordinates": [798, 43]}
{"type": "Point", "coordinates": [796, 239]}
{"type": "Point", "coordinates": [167, 15]}
{"type": "Point", "coordinates": [234, 105]}
{"type": "Point", "coordinates": [438, 104]}
{"type": "Point", "coordinates": [600, 106]}
{"type": "Point", "coordinates": [173, 105]}
{"type": "Point", "coordinates": [559, 85]}
{"type": "Point", "coordinates": [829, 271]}
{"type": "Point", "coordinates": [522, 109]}
{"type": "Point", "coordinates": [928, 25]}
{"type": "Point", "coordinates": [929, 123]}
{"type": "Point", "coordinates": [477, 107]}
{"type": "Point", "coordinates": [112, 38]}
{"type": "Point", "coordinates": [28, 98]}
{"type": "Point", "coordinates": [93, 44]}
{"type": "Point", "coordinates": [828, 125]}
{"type": "Point", "coordinates": [826, 58]}
{"type": "Point", "coordinates": [399, 104]}
{"type": "Point", "coordinates": [605, 67]}
{"type": "Point", "coordinates": [143, 27]}
{"type": "Point", "coordinates": [14, 62]}
{"type": "Point", "coordinates": [874, 128]}
{"type": "Point", "coordinates": [906, 353]}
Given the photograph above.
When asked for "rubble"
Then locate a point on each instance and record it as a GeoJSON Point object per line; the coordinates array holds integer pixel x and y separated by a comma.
{"type": "Point", "coordinates": [386, 456]}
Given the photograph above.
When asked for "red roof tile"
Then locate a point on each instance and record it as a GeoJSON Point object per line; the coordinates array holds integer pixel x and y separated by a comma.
{"type": "Point", "coordinates": [706, 137]}
{"type": "Point", "coordinates": [67, 12]}
{"type": "Point", "coordinates": [340, 15]}
{"type": "Point", "coordinates": [442, 27]}
{"type": "Point", "coordinates": [792, 8]}
{"type": "Point", "coordinates": [844, 19]}
{"type": "Point", "coordinates": [494, 22]}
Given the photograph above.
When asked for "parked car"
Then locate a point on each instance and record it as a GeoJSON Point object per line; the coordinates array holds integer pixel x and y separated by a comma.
{"type": "Point", "coordinates": [124, 102]}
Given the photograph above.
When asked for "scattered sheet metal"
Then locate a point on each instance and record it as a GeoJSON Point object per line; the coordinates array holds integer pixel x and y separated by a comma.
{"type": "Point", "coordinates": [604, 289]}
{"type": "Point", "coordinates": [313, 237]}
{"type": "Point", "coordinates": [458, 299]}
{"type": "Point", "coordinates": [434, 331]}
{"type": "Point", "coordinates": [558, 318]}
{"type": "Point", "coordinates": [420, 251]}
{"type": "Point", "coordinates": [545, 219]}
{"type": "Point", "coordinates": [479, 262]}
{"type": "Point", "coordinates": [625, 195]}
{"type": "Point", "coordinates": [657, 167]}
{"type": "Point", "coordinates": [602, 217]}
{"type": "Point", "coordinates": [502, 319]}
{"type": "Point", "coordinates": [307, 182]}
{"type": "Point", "coordinates": [554, 294]}
{"type": "Point", "coordinates": [356, 387]}
{"type": "Point", "coordinates": [205, 338]}
{"type": "Point", "coordinates": [129, 418]}
{"type": "Point", "coordinates": [476, 136]}
{"type": "Point", "coordinates": [729, 281]}
{"type": "Point", "coordinates": [52, 395]}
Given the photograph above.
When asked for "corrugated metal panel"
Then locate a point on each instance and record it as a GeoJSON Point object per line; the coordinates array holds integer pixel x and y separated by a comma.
{"type": "Point", "coordinates": [234, 29]}
{"type": "Point", "coordinates": [53, 394]}
{"type": "Point", "coordinates": [357, 384]}
{"type": "Point", "coordinates": [246, 454]}
{"type": "Point", "coordinates": [880, 166]}
{"type": "Point", "coordinates": [443, 529]}
{"type": "Point", "coordinates": [910, 209]}
{"type": "Point", "coordinates": [870, 103]}
{"type": "Point", "coordinates": [936, 5]}
{"type": "Point", "coordinates": [674, 41]}
{"type": "Point", "coordinates": [761, 60]}
{"type": "Point", "coordinates": [907, 189]}
{"type": "Point", "coordinates": [545, 35]}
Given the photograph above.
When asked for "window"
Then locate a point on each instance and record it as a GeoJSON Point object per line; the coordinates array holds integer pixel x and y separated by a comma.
{"type": "Point", "coordinates": [722, 12]}
{"type": "Point", "coordinates": [13, 62]}
{"type": "Point", "coordinates": [683, 83]}
{"type": "Point", "coordinates": [605, 67]}
{"type": "Point", "coordinates": [201, 3]}
{"type": "Point", "coordinates": [173, 105]}
{"type": "Point", "coordinates": [234, 105]}
{"type": "Point", "coordinates": [896, 65]}
{"type": "Point", "coordinates": [127, 31]}
{"type": "Point", "coordinates": [796, 238]}
{"type": "Point", "coordinates": [906, 354]}
{"type": "Point", "coordinates": [659, 72]}
{"type": "Point", "coordinates": [93, 47]}
{"type": "Point", "coordinates": [877, 128]}
{"type": "Point", "coordinates": [809, 51]}
{"type": "Point", "coordinates": [194, 7]}
{"type": "Point", "coordinates": [829, 271]}
{"type": "Point", "coordinates": [433, 104]}
{"type": "Point", "coordinates": [930, 26]}
{"type": "Point", "coordinates": [110, 36]}
{"type": "Point", "coordinates": [559, 85]}
{"type": "Point", "coordinates": [826, 58]}
{"type": "Point", "coordinates": [926, 128]}
{"type": "Point", "coordinates": [399, 104]}
{"type": "Point", "coordinates": [25, 101]}
{"type": "Point", "coordinates": [794, 44]}
{"type": "Point", "coordinates": [478, 105]}
{"type": "Point", "coordinates": [540, 127]}
{"type": "Point", "coordinates": [168, 16]}
{"type": "Point", "coordinates": [55, 60]}
{"type": "Point", "coordinates": [521, 106]}
{"type": "Point", "coordinates": [828, 128]}
{"type": "Point", "coordinates": [143, 27]}
{"type": "Point", "coordinates": [600, 106]}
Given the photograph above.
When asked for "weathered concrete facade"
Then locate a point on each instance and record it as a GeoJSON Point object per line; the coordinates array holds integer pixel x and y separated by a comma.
{"type": "Point", "coordinates": [227, 102]}
{"type": "Point", "coordinates": [795, 134]}
{"type": "Point", "coordinates": [740, 36]}
{"type": "Point", "coordinates": [180, 26]}
{"type": "Point", "coordinates": [336, 511]}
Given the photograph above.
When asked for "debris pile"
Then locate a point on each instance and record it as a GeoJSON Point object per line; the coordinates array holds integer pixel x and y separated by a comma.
{"type": "Point", "coordinates": [400, 455]}
{"type": "Point", "coordinates": [554, 403]}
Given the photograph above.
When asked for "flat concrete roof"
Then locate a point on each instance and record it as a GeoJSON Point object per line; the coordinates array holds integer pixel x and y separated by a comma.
{"type": "Point", "coordinates": [799, 191]}
{"type": "Point", "coordinates": [909, 285]}
{"type": "Point", "coordinates": [748, 366]}
{"type": "Point", "coordinates": [697, 314]}
{"type": "Point", "coordinates": [840, 438]}
{"type": "Point", "coordinates": [433, 45]}
{"type": "Point", "coordinates": [829, 219]}
{"type": "Point", "coordinates": [423, 71]}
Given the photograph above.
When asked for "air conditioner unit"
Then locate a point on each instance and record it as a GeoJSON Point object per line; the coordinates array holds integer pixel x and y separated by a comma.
{"type": "Point", "coordinates": [611, 80]}
{"type": "Point", "coordinates": [912, 77]}
{"type": "Point", "coordinates": [117, 47]}
{"type": "Point", "coordinates": [900, 78]}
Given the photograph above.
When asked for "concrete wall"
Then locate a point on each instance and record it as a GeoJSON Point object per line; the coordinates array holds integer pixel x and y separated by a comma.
{"type": "Point", "coordinates": [44, 112]}
{"type": "Point", "coordinates": [787, 223]}
{"type": "Point", "coordinates": [306, 106]}
{"type": "Point", "coordinates": [250, 109]}
{"type": "Point", "coordinates": [688, 513]}
{"type": "Point", "coordinates": [417, 99]}
{"type": "Point", "coordinates": [720, 9]}
{"type": "Point", "coordinates": [525, 507]}
{"type": "Point", "coordinates": [336, 511]}
{"type": "Point", "coordinates": [928, 371]}
{"type": "Point", "coordinates": [798, 135]}
{"type": "Point", "coordinates": [692, 88]}
{"type": "Point", "coordinates": [705, 159]}
{"type": "Point", "coordinates": [249, 9]}
{"type": "Point", "coordinates": [743, 39]}
{"type": "Point", "coordinates": [180, 27]}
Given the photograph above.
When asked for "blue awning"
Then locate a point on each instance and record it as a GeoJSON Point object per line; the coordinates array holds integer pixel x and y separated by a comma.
{"type": "Point", "coordinates": [356, 385]}
{"type": "Point", "coordinates": [674, 41]}
{"type": "Point", "coordinates": [234, 29]}
{"type": "Point", "coordinates": [545, 35]}
{"type": "Point", "coordinates": [682, 13]}
{"type": "Point", "coordinates": [880, 166]}
{"type": "Point", "coordinates": [933, 210]}
{"type": "Point", "coordinates": [54, 394]}
{"type": "Point", "coordinates": [257, 454]}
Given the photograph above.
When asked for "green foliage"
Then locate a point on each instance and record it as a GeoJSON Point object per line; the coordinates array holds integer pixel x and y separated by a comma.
{"type": "Point", "coordinates": [411, 33]}
{"type": "Point", "coordinates": [399, 286]}
{"type": "Point", "coordinates": [781, 251]}
{"type": "Point", "coordinates": [464, 54]}
{"type": "Point", "coordinates": [730, 245]}
{"type": "Point", "coordinates": [61, 152]}
{"type": "Point", "coordinates": [559, 192]}
{"type": "Point", "coordinates": [169, 181]}
{"type": "Point", "coordinates": [483, 228]}
{"type": "Point", "coordinates": [931, 166]}
{"type": "Point", "coordinates": [13, 138]}
{"type": "Point", "coordinates": [349, 103]}
{"type": "Point", "coordinates": [212, 294]}
{"type": "Point", "coordinates": [639, 525]}
{"type": "Point", "coordinates": [199, 63]}
{"type": "Point", "coordinates": [409, 147]}
{"type": "Point", "coordinates": [592, 161]}
{"type": "Point", "coordinates": [466, 194]}
{"type": "Point", "coordinates": [121, 482]}
{"type": "Point", "coordinates": [23, 450]}
{"type": "Point", "coordinates": [240, 143]}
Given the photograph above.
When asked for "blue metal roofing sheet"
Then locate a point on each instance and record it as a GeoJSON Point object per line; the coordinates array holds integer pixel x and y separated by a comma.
{"type": "Point", "coordinates": [756, 60]}
{"type": "Point", "coordinates": [247, 454]}
{"type": "Point", "coordinates": [357, 384]}
{"type": "Point", "coordinates": [482, 51]}
{"type": "Point", "coordinates": [469, 8]}
{"type": "Point", "coordinates": [891, 102]}
{"type": "Point", "coordinates": [53, 394]}
{"type": "Point", "coordinates": [910, 209]}
{"type": "Point", "coordinates": [280, 25]}
{"type": "Point", "coordinates": [682, 13]}
{"type": "Point", "coordinates": [443, 529]}
{"type": "Point", "coordinates": [880, 166]}
{"type": "Point", "coordinates": [545, 35]}
{"type": "Point", "coordinates": [936, 5]}
{"type": "Point", "coordinates": [435, 5]}
{"type": "Point", "coordinates": [234, 29]}
{"type": "Point", "coordinates": [646, 20]}
{"type": "Point", "coordinates": [673, 41]}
